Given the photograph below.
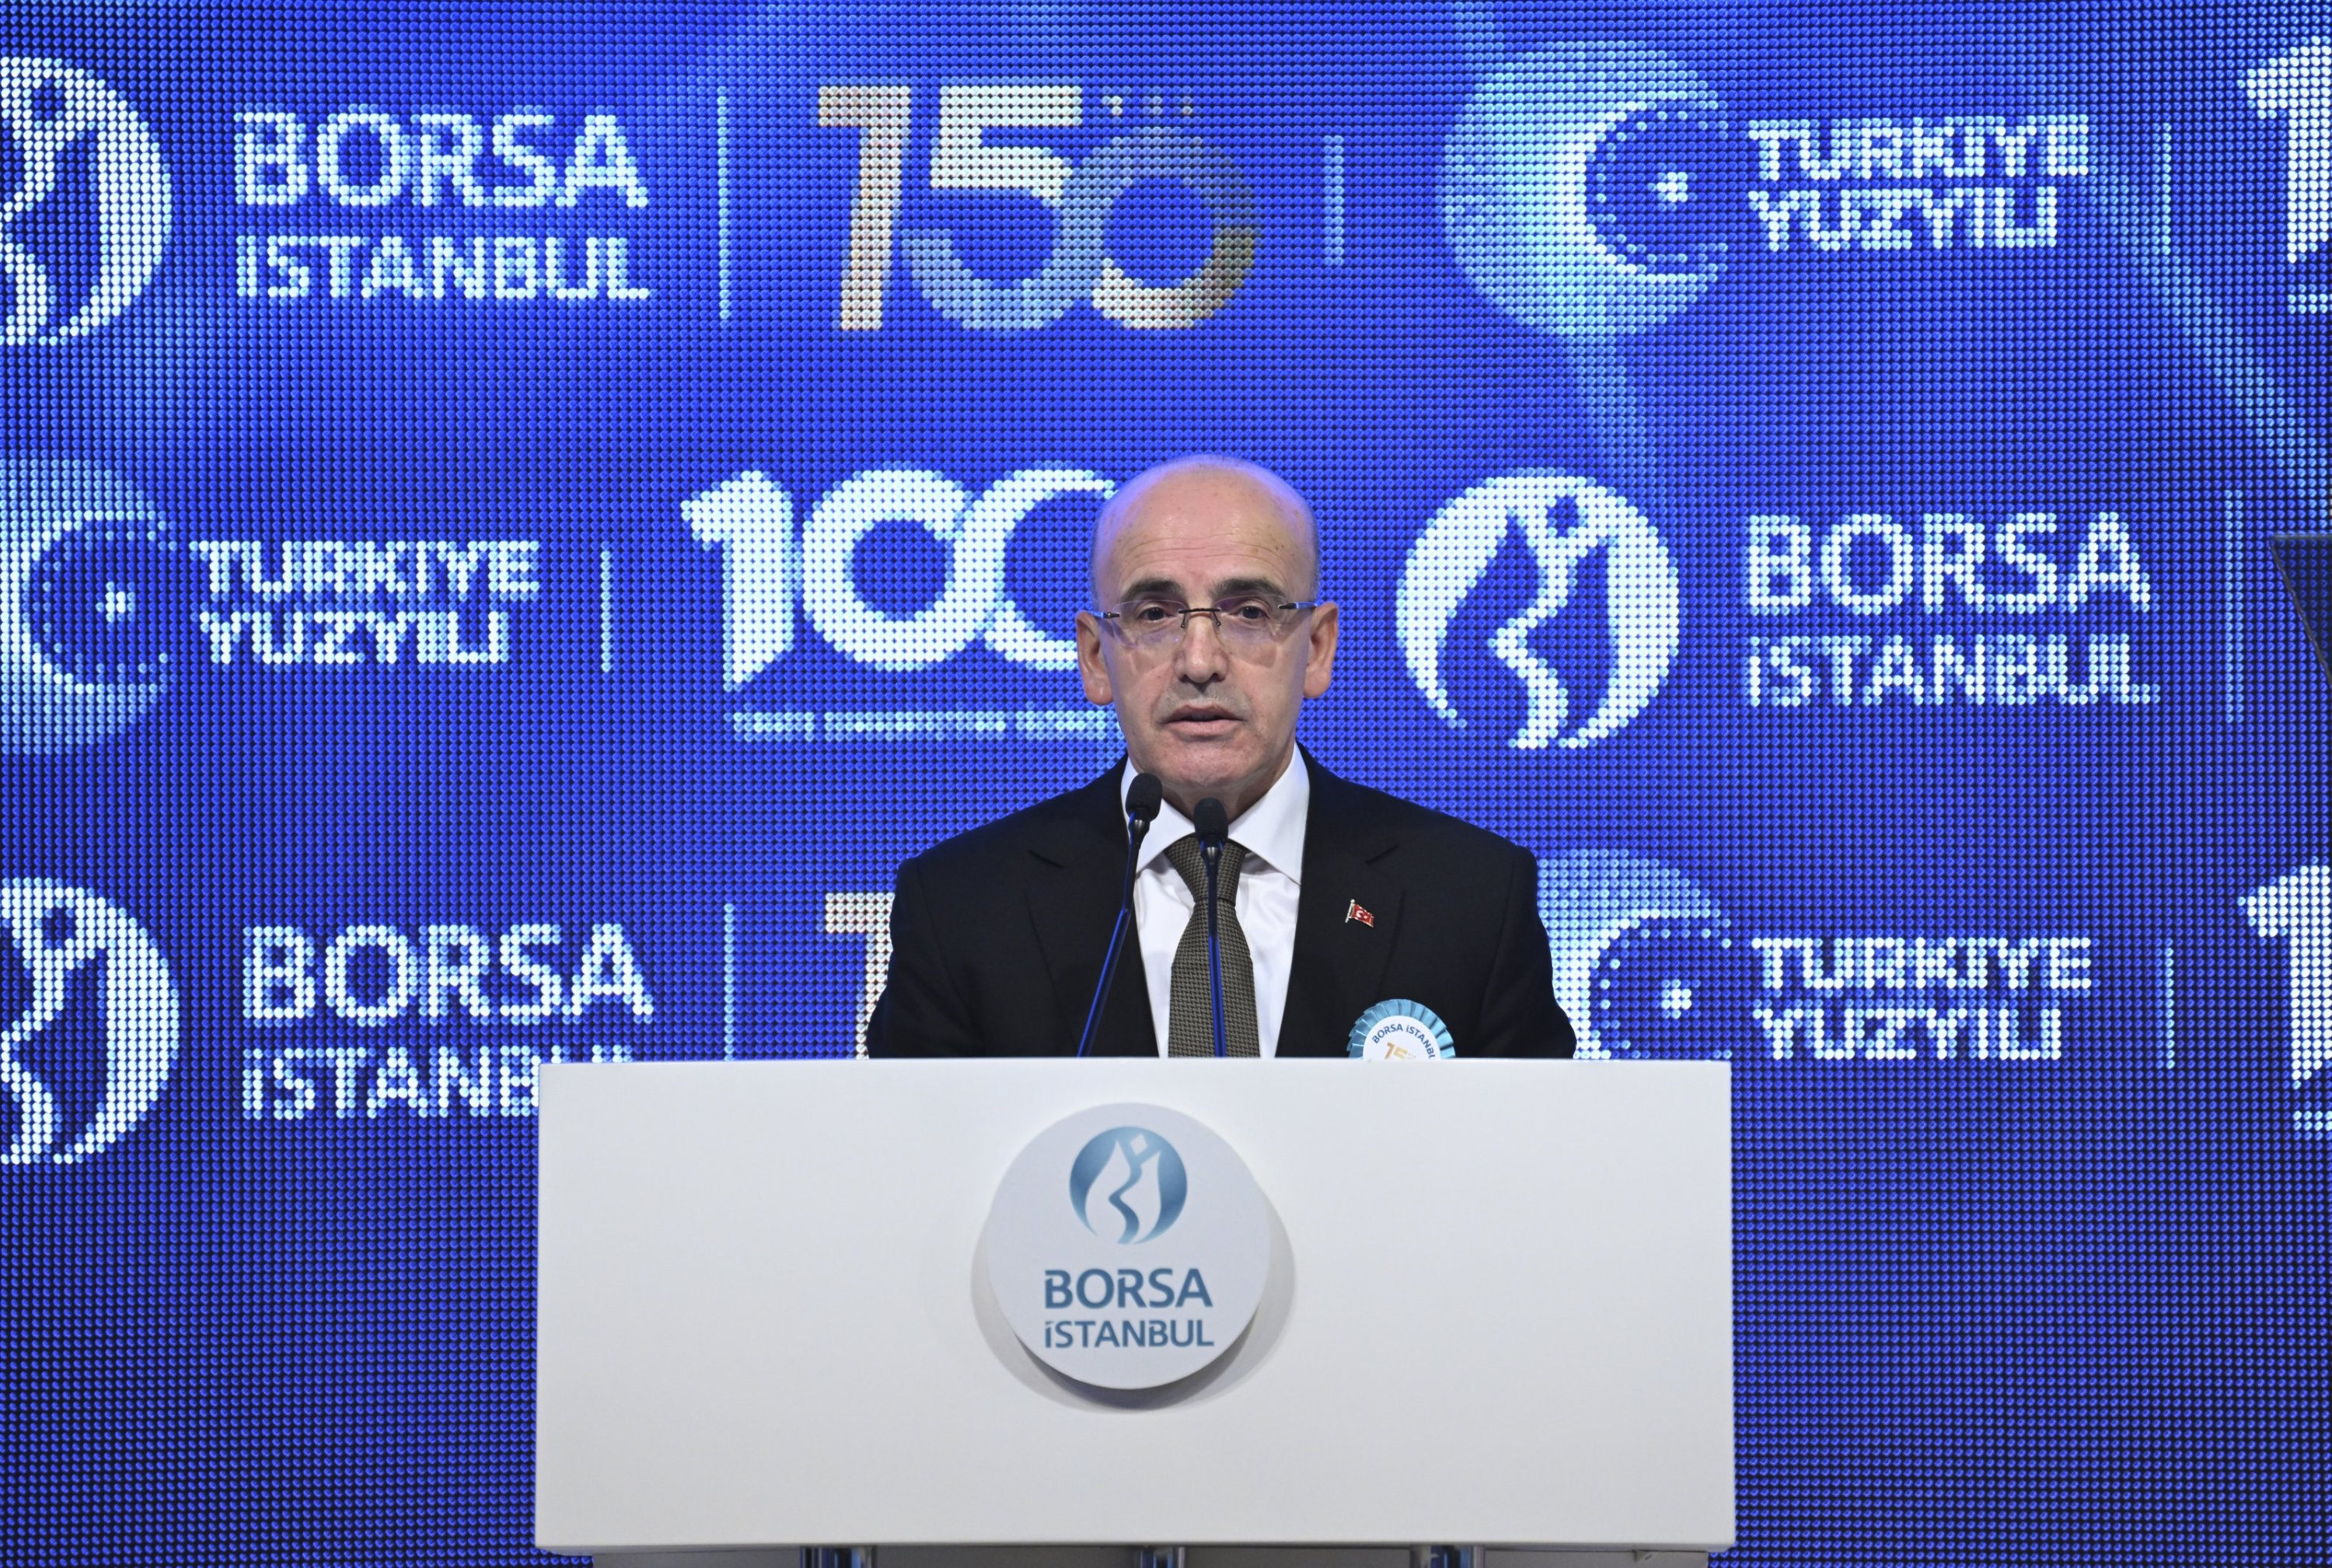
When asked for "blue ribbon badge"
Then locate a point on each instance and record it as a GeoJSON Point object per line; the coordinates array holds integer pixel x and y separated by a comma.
{"type": "Point", "coordinates": [1400, 1030]}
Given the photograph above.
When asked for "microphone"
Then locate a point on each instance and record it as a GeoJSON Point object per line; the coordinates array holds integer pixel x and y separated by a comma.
{"type": "Point", "coordinates": [1214, 826]}
{"type": "Point", "coordinates": [1142, 798]}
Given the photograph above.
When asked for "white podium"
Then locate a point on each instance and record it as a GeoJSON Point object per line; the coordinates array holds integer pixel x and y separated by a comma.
{"type": "Point", "coordinates": [1498, 1314]}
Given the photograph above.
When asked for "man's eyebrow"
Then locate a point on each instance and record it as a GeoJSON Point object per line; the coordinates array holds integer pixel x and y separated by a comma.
{"type": "Point", "coordinates": [1154, 587]}
{"type": "Point", "coordinates": [1166, 588]}
{"type": "Point", "coordinates": [1234, 586]}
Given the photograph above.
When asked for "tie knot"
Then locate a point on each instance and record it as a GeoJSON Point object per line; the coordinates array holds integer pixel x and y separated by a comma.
{"type": "Point", "coordinates": [1191, 861]}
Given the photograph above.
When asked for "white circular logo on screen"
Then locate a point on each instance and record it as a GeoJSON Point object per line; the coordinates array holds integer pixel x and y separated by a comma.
{"type": "Point", "coordinates": [1127, 1246]}
{"type": "Point", "coordinates": [70, 943]}
{"type": "Point", "coordinates": [1564, 520]}
{"type": "Point", "coordinates": [63, 129]}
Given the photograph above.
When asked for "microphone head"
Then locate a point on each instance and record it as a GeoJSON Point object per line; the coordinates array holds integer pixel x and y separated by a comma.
{"type": "Point", "coordinates": [1143, 797]}
{"type": "Point", "coordinates": [1210, 819]}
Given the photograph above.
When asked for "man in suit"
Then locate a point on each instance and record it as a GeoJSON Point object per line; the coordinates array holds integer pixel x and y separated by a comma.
{"type": "Point", "coordinates": [1331, 897]}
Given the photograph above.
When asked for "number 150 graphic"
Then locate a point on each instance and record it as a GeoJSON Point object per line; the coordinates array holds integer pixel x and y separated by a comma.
{"type": "Point", "coordinates": [1080, 194]}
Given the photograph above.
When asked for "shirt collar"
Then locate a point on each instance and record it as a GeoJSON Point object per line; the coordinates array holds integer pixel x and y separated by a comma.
{"type": "Point", "coordinates": [1271, 830]}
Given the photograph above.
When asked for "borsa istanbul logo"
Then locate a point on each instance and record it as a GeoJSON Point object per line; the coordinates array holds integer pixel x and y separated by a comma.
{"type": "Point", "coordinates": [1128, 1186]}
{"type": "Point", "coordinates": [1125, 1257]}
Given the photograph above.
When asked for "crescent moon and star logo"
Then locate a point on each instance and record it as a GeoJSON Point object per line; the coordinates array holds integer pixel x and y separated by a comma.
{"type": "Point", "coordinates": [1592, 190]}
{"type": "Point", "coordinates": [95, 594]}
{"type": "Point", "coordinates": [1646, 961]}
{"type": "Point", "coordinates": [72, 949]}
{"type": "Point", "coordinates": [65, 131]}
{"type": "Point", "coordinates": [1564, 521]}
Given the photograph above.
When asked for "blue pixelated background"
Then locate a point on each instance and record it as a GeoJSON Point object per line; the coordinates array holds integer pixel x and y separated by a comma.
{"type": "Point", "coordinates": [513, 520]}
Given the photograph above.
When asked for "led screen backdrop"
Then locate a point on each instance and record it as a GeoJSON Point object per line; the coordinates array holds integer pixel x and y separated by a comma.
{"type": "Point", "coordinates": [514, 520]}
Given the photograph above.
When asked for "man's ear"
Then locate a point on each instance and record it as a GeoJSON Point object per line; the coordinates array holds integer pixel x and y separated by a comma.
{"type": "Point", "coordinates": [1091, 666]}
{"type": "Point", "coordinates": [1320, 651]}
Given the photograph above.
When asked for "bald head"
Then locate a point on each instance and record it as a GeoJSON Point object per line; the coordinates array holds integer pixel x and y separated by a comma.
{"type": "Point", "coordinates": [1199, 490]}
{"type": "Point", "coordinates": [1210, 711]}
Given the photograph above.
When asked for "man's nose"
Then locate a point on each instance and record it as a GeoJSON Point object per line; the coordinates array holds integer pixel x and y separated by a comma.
{"type": "Point", "coordinates": [1200, 658]}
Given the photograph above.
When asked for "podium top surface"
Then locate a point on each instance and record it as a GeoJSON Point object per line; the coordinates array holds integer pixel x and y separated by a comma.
{"type": "Point", "coordinates": [1499, 1311]}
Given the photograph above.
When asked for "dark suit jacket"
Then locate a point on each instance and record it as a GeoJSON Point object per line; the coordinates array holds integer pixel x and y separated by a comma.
{"type": "Point", "coordinates": [997, 935]}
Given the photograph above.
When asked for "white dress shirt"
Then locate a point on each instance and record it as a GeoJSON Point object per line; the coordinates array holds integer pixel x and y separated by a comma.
{"type": "Point", "coordinates": [1272, 833]}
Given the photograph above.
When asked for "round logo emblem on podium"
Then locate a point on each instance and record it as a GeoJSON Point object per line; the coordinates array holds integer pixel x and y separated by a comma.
{"type": "Point", "coordinates": [1128, 1247]}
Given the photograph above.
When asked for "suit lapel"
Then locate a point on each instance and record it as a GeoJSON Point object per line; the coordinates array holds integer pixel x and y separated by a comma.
{"type": "Point", "coordinates": [1349, 858]}
{"type": "Point", "coordinates": [1078, 865]}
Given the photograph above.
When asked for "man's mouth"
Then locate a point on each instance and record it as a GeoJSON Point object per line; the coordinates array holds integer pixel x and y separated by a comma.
{"type": "Point", "coordinates": [1200, 720]}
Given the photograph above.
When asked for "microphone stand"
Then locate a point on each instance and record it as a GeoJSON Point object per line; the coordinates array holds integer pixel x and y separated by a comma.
{"type": "Point", "coordinates": [1141, 801]}
{"type": "Point", "coordinates": [1214, 826]}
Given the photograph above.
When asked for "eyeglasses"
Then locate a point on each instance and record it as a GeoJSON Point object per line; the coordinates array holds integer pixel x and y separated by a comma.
{"type": "Point", "coordinates": [1247, 622]}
